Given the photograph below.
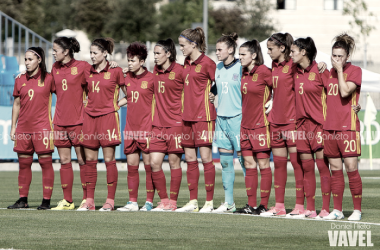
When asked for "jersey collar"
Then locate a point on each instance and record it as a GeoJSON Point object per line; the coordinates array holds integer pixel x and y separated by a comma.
{"type": "Point", "coordinates": [68, 64]}
{"type": "Point", "coordinates": [187, 60]}
{"type": "Point", "coordinates": [159, 69]}
{"type": "Point", "coordinates": [277, 64]}
{"type": "Point", "coordinates": [308, 68]}
{"type": "Point", "coordinates": [141, 75]}
{"type": "Point", "coordinates": [245, 71]}
{"type": "Point", "coordinates": [36, 76]}
{"type": "Point", "coordinates": [231, 64]}
{"type": "Point", "coordinates": [93, 70]}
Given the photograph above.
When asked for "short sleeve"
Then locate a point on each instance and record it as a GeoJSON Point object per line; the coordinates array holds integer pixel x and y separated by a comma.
{"type": "Point", "coordinates": [211, 71]}
{"type": "Point", "coordinates": [127, 80]}
{"type": "Point", "coordinates": [180, 74]}
{"type": "Point", "coordinates": [120, 77]}
{"type": "Point", "coordinates": [16, 89]}
{"type": "Point", "coordinates": [52, 84]}
{"type": "Point", "coordinates": [325, 78]}
{"type": "Point", "coordinates": [268, 77]}
{"type": "Point", "coordinates": [355, 76]}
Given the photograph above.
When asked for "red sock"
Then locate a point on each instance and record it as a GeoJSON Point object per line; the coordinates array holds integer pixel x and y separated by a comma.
{"type": "Point", "coordinates": [82, 172]}
{"type": "Point", "coordinates": [355, 182]}
{"type": "Point", "coordinates": [112, 177]}
{"type": "Point", "coordinates": [67, 179]}
{"type": "Point", "coordinates": [175, 183]}
{"type": "Point", "coordinates": [298, 176]}
{"type": "Point", "coordinates": [159, 181]}
{"type": "Point", "coordinates": [47, 176]}
{"type": "Point", "coordinates": [324, 173]}
{"type": "Point", "coordinates": [91, 178]}
{"type": "Point", "coordinates": [209, 169]}
{"type": "Point", "coordinates": [24, 175]}
{"type": "Point", "coordinates": [192, 175]}
{"type": "Point", "coordinates": [133, 182]}
{"type": "Point", "coordinates": [251, 183]}
{"type": "Point", "coordinates": [265, 185]}
{"type": "Point", "coordinates": [337, 188]}
{"type": "Point", "coordinates": [280, 176]}
{"type": "Point", "coordinates": [149, 183]}
{"type": "Point", "coordinates": [309, 183]}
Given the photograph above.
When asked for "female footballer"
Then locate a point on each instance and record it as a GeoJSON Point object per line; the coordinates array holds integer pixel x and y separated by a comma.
{"type": "Point", "coordinates": [167, 123]}
{"type": "Point", "coordinates": [256, 88]}
{"type": "Point", "coordinates": [101, 126]}
{"type": "Point", "coordinates": [198, 116]}
{"type": "Point", "coordinates": [34, 130]}
{"type": "Point", "coordinates": [140, 97]}
{"type": "Point", "coordinates": [342, 126]}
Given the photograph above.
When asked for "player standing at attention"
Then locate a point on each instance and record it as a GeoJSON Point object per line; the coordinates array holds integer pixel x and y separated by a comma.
{"type": "Point", "coordinates": [140, 97]}
{"type": "Point", "coordinates": [198, 116]}
{"type": "Point", "coordinates": [311, 115]}
{"type": "Point", "coordinates": [342, 126]}
{"type": "Point", "coordinates": [34, 132]}
{"type": "Point", "coordinates": [167, 123]}
{"type": "Point", "coordinates": [101, 126]}
{"type": "Point", "coordinates": [227, 129]}
{"type": "Point", "coordinates": [69, 76]}
{"type": "Point", "coordinates": [256, 88]}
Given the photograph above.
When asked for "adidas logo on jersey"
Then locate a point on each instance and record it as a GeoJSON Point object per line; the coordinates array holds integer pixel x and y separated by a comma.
{"type": "Point", "coordinates": [23, 85]}
{"type": "Point", "coordinates": [57, 73]}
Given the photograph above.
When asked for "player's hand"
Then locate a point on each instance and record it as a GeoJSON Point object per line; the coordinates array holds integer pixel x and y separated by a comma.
{"type": "Point", "coordinates": [337, 64]}
{"type": "Point", "coordinates": [356, 108]}
{"type": "Point", "coordinates": [322, 66]}
{"type": "Point", "coordinates": [268, 106]}
{"type": "Point", "coordinates": [113, 64]}
{"type": "Point", "coordinates": [21, 73]}
{"type": "Point", "coordinates": [211, 96]}
{"type": "Point", "coordinates": [13, 134]}
{"type": "Point", "coordinates": [85, 101]}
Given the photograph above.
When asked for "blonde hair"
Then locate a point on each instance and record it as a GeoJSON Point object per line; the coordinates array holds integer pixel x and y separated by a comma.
{"type": "Point", "coordinates": [197, 36]}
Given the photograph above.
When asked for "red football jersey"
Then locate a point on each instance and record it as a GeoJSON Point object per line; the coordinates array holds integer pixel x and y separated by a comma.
{"type": "Point", "coordinates": [103, 90]}
{"type": "Point", "coordinates": [310, 93]}
{"type": "Point", "coordinates": [340, 115]}
{"type": "Point", "coordinates": [198, 76]}
{"type": "Point", "coordinates": [35, 103]}
{"type": "Point", "coordinates": [141, 103]}
{"type": "Point", "coordinates": [168, 91]}
{"type": "Point", "coordinates": [284, 98]}
{"type": "Point", "coordinates": [256, 88]}
{"type": "Point", "coordinates": [69, 79]}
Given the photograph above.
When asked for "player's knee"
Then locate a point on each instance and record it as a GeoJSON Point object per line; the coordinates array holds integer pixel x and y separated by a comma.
{"type": "Point", "coordinates": [65, 160]}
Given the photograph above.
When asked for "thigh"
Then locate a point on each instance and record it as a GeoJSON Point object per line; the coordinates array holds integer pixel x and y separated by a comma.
{"type": "Point", "coordinates": [260, 139]}
{"type": "Point", "coordinates": [158, 140]}
{"type": "Point", "coordinates": [206, 154]}
{"type": "Point", "coordinates": [43, 142]}
{"type": "Point", "coordinates": [233, 131]}
{"type": "Point", "coordinates": [349, 143]}
{"type": "Point", "coordinates": [80, 155]}
{"type": "Point", "coordinates": [61, 138]}
{"type": "Point", "coordinates": [109, 153]}
{"type": "Point", "coordinates": [331, 147]}
{"type": "Point", "coordinates": [316, 142]}
{"type": "Point", "coordinates": [190, 154]}
{"type": "Point", "coordinates": [175, 161]}
{"type": "Point", "coordinates": [173, 140]}
{"type": "Point", "coordinates": [221, 139]}
{"type": "Point", "coordinates": [91, 154]}
{"type": "Point", "coordinates": [281, 152]}
{"type": "Point", "coordinates": [130, 145]}
{"type": "Point", "coordinates": [188, 136]}
{"type": "Point", "coordinates": [133, 159]}
{"type": "Point", "coordinates": [249, 160]}
{"type": "Point", "coordinates": [156, 159]}
{"type": "Point", "coordinates": [335, 163]}
{"type": "Point", "coordinates": [23, 144]}
{"type": "Point", "coordinates": [109, 129]}
{"type": "Point", "coordinates": [351, 163]}
{"type": "Point", "coordinates": [302, 139]}
{"type": "Point", "coordinates": [204, 132]}
{"type": "Point", "coordinates": [89, 137]}
{"type": "Point", "coordinates": [263, 162]}
{"type": "Point", "coordinates": [64, 155]}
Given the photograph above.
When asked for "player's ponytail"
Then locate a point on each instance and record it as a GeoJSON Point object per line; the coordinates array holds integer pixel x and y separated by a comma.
{"type": "Point", "coordinates": [104, 44]}
{"type": "Point", "coordinates": [254, 47]}
{"type": "Point", "coordinates": [230, 40]}
{"type": "Point", "coordinates": [196, 36]}
{"type": "Point", "coordinates": [345, 42]}
{"type": "Point", "coordinates": [40, 54]}
{"type": "Point", "coordinates": [169, 46]}
{"type": "Point", "coordinates": [70, 44]}
{"type": "Point", "coordinates": [285, 40]}
{"type": "Point", "coordinates": [308, 45]}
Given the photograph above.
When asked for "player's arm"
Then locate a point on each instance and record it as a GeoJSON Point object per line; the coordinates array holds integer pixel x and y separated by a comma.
{"type": "Point", "coordinates": [15, 114]}
{"type": "Point", "coordinates": [345, 88]}
{"type": "Point", "coordinates": [123, 101]}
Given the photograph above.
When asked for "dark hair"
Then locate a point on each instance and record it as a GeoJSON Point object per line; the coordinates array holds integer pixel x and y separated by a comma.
{"type": "Point", "coordinates": [229, 40]}
{"type": "Point", "coordinates": [169, 46]}
{"type": "Point", "coordinates": [104, 44]}
{"type": "Point", "coordinates": [345, 42]}
{"type": "Point", "coordinates": [39, 53]}
{"type": "Point", "coordinates": [254, 47]}
{"type": "Point", "coordinates": [197, 36]}
{"type": "Point", "coordinates": [137, 49]}
{"type": "Point", "coordinates": [71, 44]}
{"type": "Point", "coordinates": [283, 39]}
{"type": "Point", "coordinates": [308, 45]}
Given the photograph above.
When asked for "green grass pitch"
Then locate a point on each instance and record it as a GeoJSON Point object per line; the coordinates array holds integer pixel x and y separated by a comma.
{"type": "Point", "coordinates": [32, 229]}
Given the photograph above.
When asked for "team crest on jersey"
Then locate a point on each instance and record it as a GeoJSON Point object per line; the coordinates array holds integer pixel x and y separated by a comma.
{"type": "Point", "coordinates": [107, 75]}
{"type": "Point", "coordinates": [255, 77]}
{"type": "Point", "coordinates": [40, 84]}
{"type": "Point", "coordinates": [235, 77]}
{"type": "Point", "coordinates": [285, 69]}
{"type": "Point", "coordinates": [172, 76]}
{"type": "Point", "coordinates": [144, 84]}
{"type": "Point", "coordinates": [345, 76]}
{"type": "Point", "coordinates": [198, 68]}
{"type": "Point", "coordinates": [74, 71]}
{"type": "Point", "coordinates": [311, 76]}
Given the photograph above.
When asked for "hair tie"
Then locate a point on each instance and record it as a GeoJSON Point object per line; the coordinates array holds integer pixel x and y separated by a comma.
{"type": "Point", "coordinates": [188, 39]}
{"type": "Point", "coordinates": [276, 40]}
{"type": "Point", "coordinates": [34, 53]}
